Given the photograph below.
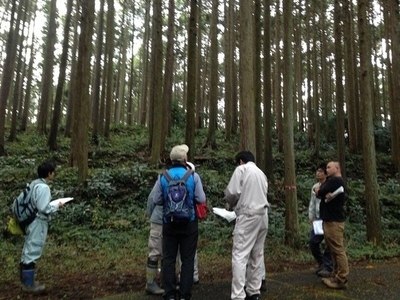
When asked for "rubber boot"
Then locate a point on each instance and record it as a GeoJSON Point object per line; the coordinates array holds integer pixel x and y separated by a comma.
{"type": "Point", "coordinates": [28, 279]}
{"type": "Point", "coordinates": [151, 284]}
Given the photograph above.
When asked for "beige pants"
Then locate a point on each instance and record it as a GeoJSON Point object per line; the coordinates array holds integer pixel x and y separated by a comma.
{"type": "Point", "coordinates": [248, 254]}
{"type": "Point", "coordinates": [155, 242]}
{"type": "Point", "coordinates": [334, 238]}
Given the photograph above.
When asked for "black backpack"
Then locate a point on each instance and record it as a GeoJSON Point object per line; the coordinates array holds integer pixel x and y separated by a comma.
{"type": "Point", "coordinates": [24, 208]}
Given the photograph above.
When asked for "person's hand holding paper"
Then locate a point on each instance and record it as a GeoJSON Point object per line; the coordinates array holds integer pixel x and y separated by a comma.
{"type": "Point", "coordinates": [331, 196]}
{"type": "Point", "coordinates": [228, 215]}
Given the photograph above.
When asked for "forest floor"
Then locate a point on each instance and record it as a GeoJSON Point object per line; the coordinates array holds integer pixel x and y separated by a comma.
{"type": "Point", "coordinates": [366, 281]}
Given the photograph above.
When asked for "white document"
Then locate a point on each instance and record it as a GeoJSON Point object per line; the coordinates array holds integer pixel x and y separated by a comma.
{"type": "Point", "coordinates": [317, 225]}
{"type": "Point", "coordinates": [337, 192]}
{"type": "Point", "coordinates": [60, 200]}
{"type": "Point", "coordinates": [228, 215]}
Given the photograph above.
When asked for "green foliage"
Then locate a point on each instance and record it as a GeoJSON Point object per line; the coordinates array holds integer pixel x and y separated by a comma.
{"type": "Point", "coordinates": [276, 226]}
{"type": "Point", "coordinates": [178, 115]}
{"type": "Point", "coordinates": [382, 139]}
{"type": "Point", "coordinates": [108, 211]}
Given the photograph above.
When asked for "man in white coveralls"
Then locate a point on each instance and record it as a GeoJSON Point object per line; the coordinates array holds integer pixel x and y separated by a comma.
{"type": "Point", "coordinates": [246, 194]}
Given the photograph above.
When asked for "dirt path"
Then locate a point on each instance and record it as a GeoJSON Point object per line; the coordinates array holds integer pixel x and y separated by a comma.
{"type": "Point", "coordinates": [366, 281]}
{"type": "Point", "coordinates": [369, 282]}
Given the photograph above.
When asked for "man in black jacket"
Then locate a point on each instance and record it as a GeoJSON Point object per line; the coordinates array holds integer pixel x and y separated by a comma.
{"type": "Point", "coordinates": [332, 215]}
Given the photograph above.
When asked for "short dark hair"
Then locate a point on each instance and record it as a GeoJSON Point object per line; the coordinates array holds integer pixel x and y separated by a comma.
{"type": "Point", "coordinates": [245, 156]}
{"type": "Point", "coordinates": [322, 166]}
{"type": "Point", "coordinates": [45, 168]}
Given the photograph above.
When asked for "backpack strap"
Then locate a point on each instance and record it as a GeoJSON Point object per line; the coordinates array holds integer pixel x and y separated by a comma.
{"type": "Point", "coordinates": [187, 174]}
{"type": "Point", "coordinates": [167, 175]}
{"type": "Point", "coordinates": [184, 178]}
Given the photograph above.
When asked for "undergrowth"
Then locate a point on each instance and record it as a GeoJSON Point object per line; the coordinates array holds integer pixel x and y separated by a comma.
{"type": "Point", "coordinates": [106, 225]}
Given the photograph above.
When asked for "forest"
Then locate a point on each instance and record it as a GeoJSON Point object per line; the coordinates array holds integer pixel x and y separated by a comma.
{"type": "Point", "coordinates": [105, 88]}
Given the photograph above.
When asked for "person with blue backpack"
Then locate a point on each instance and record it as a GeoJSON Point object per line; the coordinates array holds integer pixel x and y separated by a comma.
{"type": "Point", "coordinates": [36, 231]}
{"type": "Point", "coordinates": [178, 190]}
{"type": "Point", "coordinates": [155, 214]}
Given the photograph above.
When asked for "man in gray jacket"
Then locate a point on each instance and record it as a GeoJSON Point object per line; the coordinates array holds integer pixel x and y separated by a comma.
{"type": "Point", "coordinates": [324, 258]}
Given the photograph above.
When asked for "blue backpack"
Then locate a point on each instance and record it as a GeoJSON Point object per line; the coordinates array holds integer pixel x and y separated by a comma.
{"type": "Point", "coordinates": [177, 207]}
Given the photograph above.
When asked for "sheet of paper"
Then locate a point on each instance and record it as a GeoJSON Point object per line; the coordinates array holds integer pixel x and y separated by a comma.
{"type": "Point", "coordinates": [317, 225]}
{"type": "Point", "coordinates": [62, 200]}
{"type": "Point", "coordinates": [337, 192]}
{"type": "Point", "coordinates": [228, 215]}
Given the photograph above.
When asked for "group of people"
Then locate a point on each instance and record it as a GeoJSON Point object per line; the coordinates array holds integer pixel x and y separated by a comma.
{"type": "Point", "coordinates": [180, 237]}
{"type": "Point", "coordinates": [174, 227]}
{"type": "Point", "coordinates": [246, 194]}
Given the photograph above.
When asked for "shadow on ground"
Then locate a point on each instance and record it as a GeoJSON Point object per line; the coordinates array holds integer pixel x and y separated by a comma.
{"type": "Point", "coordinates": [369, 281]}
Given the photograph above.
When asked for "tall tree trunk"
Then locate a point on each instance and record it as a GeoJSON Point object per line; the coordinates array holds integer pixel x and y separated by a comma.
{"type": "Point", "coordinates": [315, 76]}
{"type": "Point", "coordinates": [156, 97]}
{"type": "Point", "coordinates": [339, 86]}
{"type": "Point", "coordinates": [120, 101]}
{"type": "Point", "coordinates": [132, 76]}
{"type": "Point", "coordinates": [229, 48]}
{"type": "Point", "coordinates": [72, 83]}
{"type": "Point", "coordinates": [267, 93]}
{"type": "Point", "coordinates": [257, 83]}
{"type": "Point", "coordinates": [310, 113]}
{"type": "Point", "coordinates": [168, 73]}
{"type": "Point", "coordinates": [18, 78]}
{"type": "Point", "coordinates": [8, 70]}
{"type": "Point", "coordinates": [277, 79]}
{"type": "Point", "coordinates": [350, 76]}
{"type": "Point", "coordinates": [191, 79]}
{"type": "Point", "coordinates": [373, 221]}
{"type": "Point", "coordinates": [292, 237]}
{"type": "Point", "coordinates": [47, 75]}
{"type": "Point", "coordinates": [80, 139]}
{"type": "Point", "coordinates": [214, 82]}
{"type": "Point", "coordinates": [325, 82]}
{"type": "Point", "coordinates": [52, 140]}
{"type": "Point", "coordinates": [246, 74]}
{"type": "Point", "coordinates": [97, 75]}
{"type": "Point", "coordinates": [110, 66]}
{"type": "Point", "coordinates": [27, 98]}
{"type": "Point", "coordinates": [298, 71]}
{"type": "Point", "coordinates": [31, 15]}
{"type": "Point", "coordinates": [143, 110]}
{"type": "Point", "coordinates": [200, 73]}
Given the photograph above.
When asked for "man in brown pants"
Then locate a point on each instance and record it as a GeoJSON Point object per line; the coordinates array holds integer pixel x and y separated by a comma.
{"type": "Point", "coordinates": [332, 215]}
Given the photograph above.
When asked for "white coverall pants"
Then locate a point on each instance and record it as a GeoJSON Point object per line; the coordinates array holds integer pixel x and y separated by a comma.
{"type": "Point", "coordinates": [36, 234]}
{"type": "Point", "coordinates": [248, 254]}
